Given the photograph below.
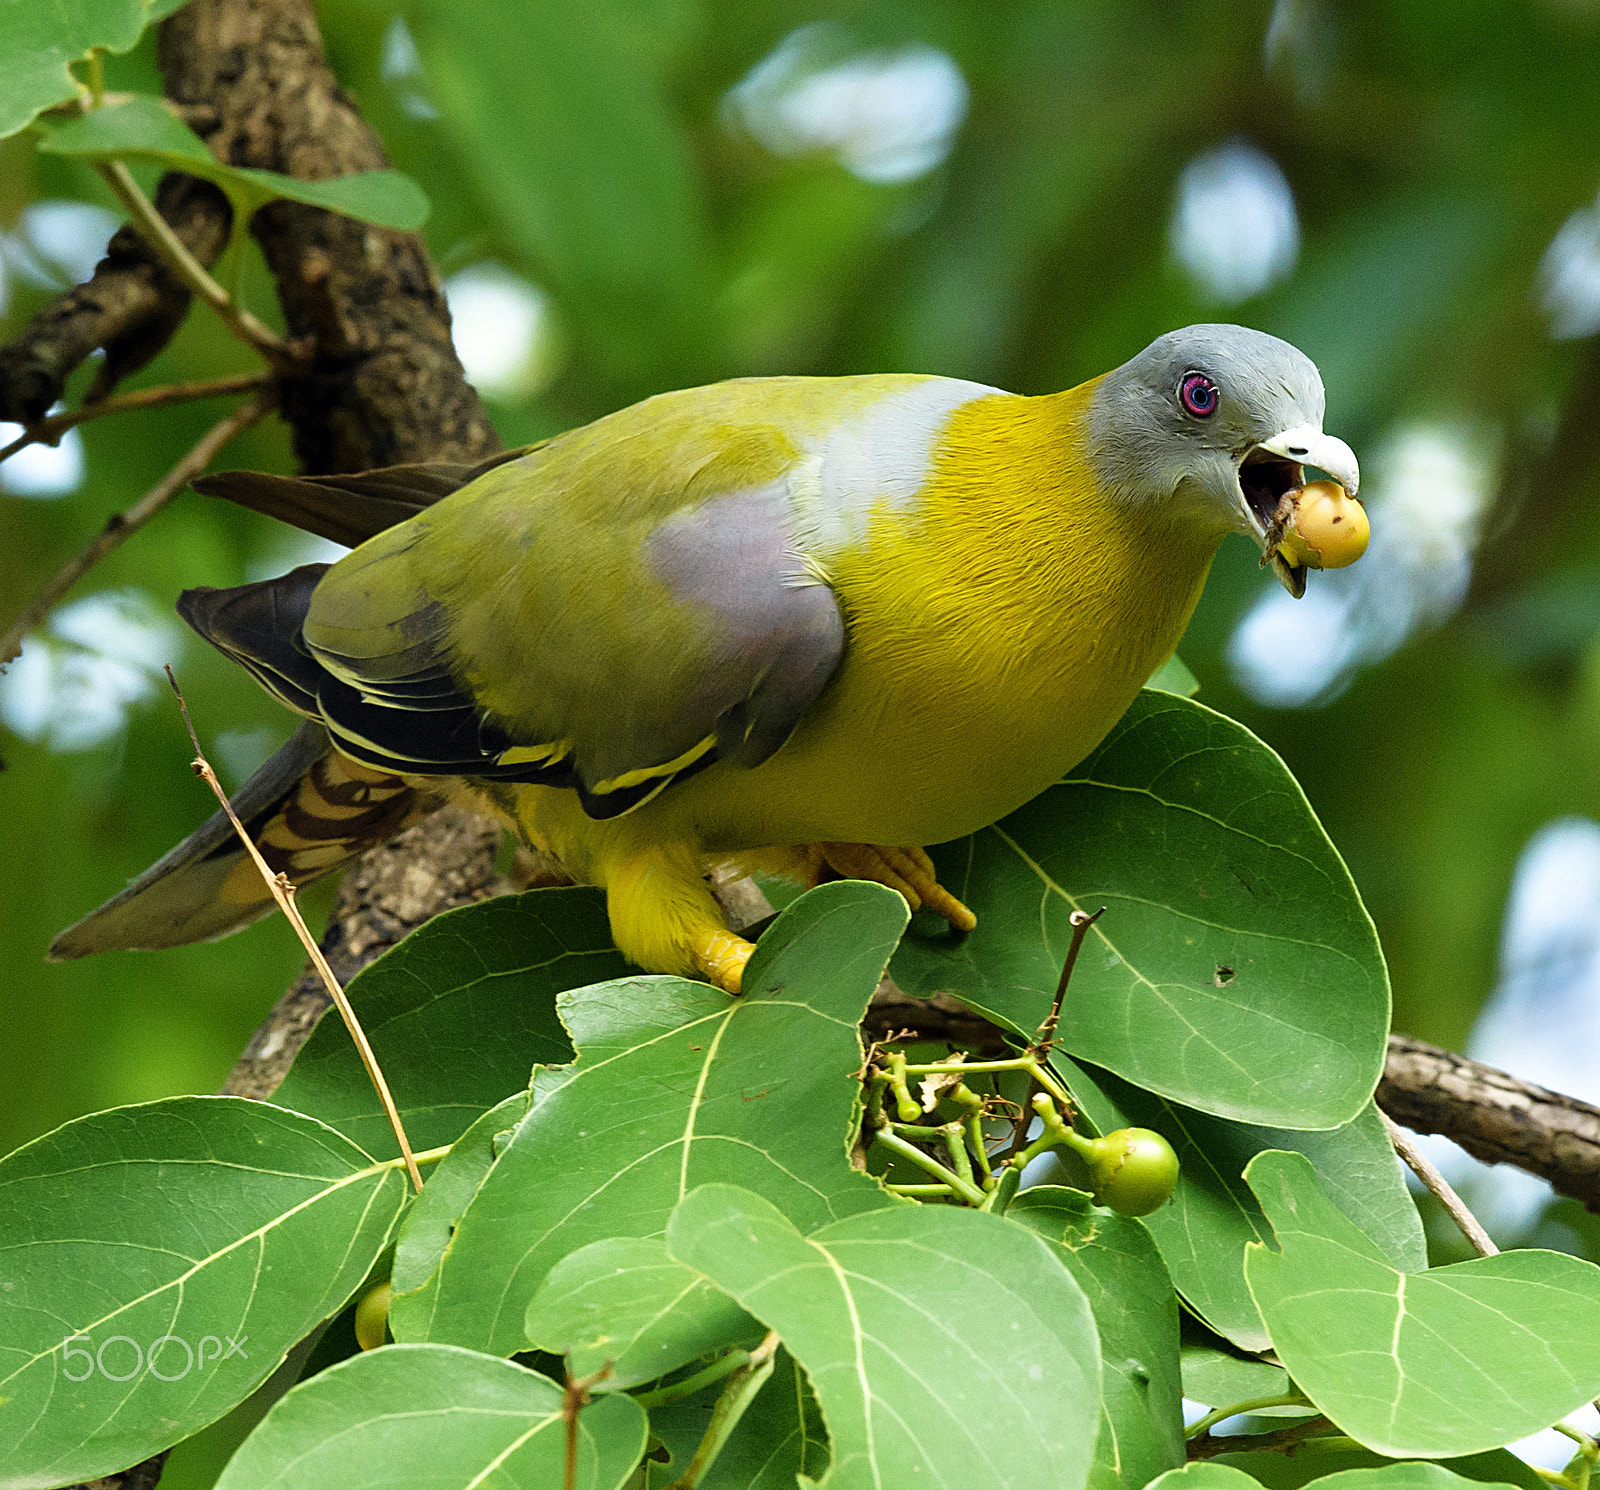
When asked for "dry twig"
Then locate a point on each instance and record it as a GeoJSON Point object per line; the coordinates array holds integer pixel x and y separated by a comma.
{"type": "Point", "coordinates": [120, 525]}
{"type": "Point", "coordinates": [283, 893]}
{"type": "Point", "coordinates": [48, 431]}
{"type": "Point", "coordinates": [1439, 1187]}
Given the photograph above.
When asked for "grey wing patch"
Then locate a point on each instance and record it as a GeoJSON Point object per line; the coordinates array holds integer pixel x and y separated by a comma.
{"type": "Point", "coordinates": [779, 632]}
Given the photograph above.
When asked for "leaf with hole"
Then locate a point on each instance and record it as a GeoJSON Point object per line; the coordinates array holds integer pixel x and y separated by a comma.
{"type": "Point", "coordinates": [43, 41]}
{"type": "Point", "coordinates": [675, 1084]}
{"type": "Point", "coordinates": [433, 1415]}
{"type": "Point", "coordinates": [158, 1261]}
{"type": "Point", "coordinates": [1239, 975]}
{"type": "Point", "coordinates": [142, 129]}
{"type": "Point", "coordinates": [944, 1345]}
{"type": "Point", "coordinates": [1454, 1360]}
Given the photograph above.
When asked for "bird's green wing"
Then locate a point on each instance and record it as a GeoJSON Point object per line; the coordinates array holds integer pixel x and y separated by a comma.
{"type": "Point", "coordinates": [612, 610]}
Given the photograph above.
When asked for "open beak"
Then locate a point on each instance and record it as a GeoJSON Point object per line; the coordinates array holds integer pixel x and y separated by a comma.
{"type": "Point", "coordinates": [1276, 466]}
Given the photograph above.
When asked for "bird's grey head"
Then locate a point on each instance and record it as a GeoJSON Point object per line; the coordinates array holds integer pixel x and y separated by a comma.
{"type": "Point", "coordinates": [1215, 423]}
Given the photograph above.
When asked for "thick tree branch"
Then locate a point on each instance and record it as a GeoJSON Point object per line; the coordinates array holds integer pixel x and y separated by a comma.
{"type": "Point", "coordinates": [1494, 1117]}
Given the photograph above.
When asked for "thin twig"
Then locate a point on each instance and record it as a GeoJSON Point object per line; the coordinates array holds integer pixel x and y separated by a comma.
{"type": "Point", "coordinates": [188, 268]}
{"type": "Point", "coordinates": [1281, 1441]}
{"type": "Point", "coordinates": [283, 892]}
{"type": "Point", "coordinates": [573, 1402]}
{"type": "Point", "coordinates": [48, 430]}
{"type": "Point", "coordinates": [120, 525]}
{"type": "Point", "coordinates": [1044, 1038]}
{"type": "Point", "coordinates": [1439, 1186]}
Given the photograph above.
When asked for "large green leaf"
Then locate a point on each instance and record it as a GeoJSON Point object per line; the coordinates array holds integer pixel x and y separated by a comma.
{"type": "Point", "coordinates": [1202, 1475]}
{"type": "Point", "coordinates": [39, 42]}
{"type": "Point", "coordinates": [1122, 1275]}
{"type": "Point", "coordinates": [157, 1262]}
{"type": "Point", "coordinates": [450, 1186]}
{"type": "Point", "coordinates": [1404, 1475]}
{"type": "Point", "coordinates": [1203, 1231]}
{"type": "Point", "coordinates": [945, 1346]}
{"type": "Point", "coordinates": [676, 1084]}
{"type": "Point", "coordinates": [562, 117]}
{"type": "Point", "coordinates": [1235, 970]}
{"type": "Point", "coordinates": [458, 1013]}
{"type": "Point", "coordinates": [1455, 1360]}
{"type": "Point", "coordinates": [780, 1435]}
{"type": "Point", "coordinates": [435, 1418]}
{"type": "Point", "coordinates": [1321, 1458]}
{"type": "Point", "coordinates": [141, 128]}
{"type": "Point", "coordinates": [625, 1303]}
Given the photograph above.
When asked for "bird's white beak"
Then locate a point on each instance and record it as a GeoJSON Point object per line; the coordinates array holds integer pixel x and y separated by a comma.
{"type": "Point", "coordinates": [1273, 467]}
{"type": "Point", "coordinates": [1308, 446]}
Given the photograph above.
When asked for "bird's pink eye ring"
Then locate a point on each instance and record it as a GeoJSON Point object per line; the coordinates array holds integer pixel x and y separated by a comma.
{"type": "Point", "coordinates": [1198, 395]}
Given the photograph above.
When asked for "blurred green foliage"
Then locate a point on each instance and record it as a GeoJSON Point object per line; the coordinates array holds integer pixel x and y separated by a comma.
{"type": "Point", "coordinates": [1433, 152]}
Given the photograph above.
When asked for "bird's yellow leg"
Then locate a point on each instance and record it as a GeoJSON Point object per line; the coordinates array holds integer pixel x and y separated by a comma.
{"type": "Point", "coordinates": [908, 870]}
{"type": "Point", "coordinates": [664, 916]}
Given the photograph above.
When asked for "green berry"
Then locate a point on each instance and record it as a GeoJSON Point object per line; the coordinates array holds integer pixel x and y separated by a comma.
{"type": "Point", "coordinates": [372, 1317]}
{"type": "Point", "coordinates": [1132, 1171]}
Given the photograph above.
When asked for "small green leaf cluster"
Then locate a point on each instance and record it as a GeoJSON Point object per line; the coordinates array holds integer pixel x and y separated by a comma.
{"type": "Point", "coordinates": [38, 86]}
{"type": "Point", "coordinates": [664, 1241]}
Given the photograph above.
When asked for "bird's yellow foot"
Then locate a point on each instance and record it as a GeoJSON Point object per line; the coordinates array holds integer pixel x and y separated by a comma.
{"type": "Point", "coordinates": [908, 870]}
{"type": "Point", "coordinates": [721, 956]}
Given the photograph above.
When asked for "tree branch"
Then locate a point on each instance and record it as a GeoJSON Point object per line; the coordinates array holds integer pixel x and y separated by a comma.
{"type": "Point", "coordinates": [130, 307]}
{"type": "Point", "coordinates": [122, 525]}
{"type": "Point", "coordinates": [1494, 1117]}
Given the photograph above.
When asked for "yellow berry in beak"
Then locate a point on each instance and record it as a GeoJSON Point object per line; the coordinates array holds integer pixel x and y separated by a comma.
{"type": "Point", "coordinates": [1325, 528]}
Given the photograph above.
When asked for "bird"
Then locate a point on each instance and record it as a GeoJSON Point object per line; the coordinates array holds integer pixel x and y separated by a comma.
{"type": "Point", "coordinates": [809, 625]}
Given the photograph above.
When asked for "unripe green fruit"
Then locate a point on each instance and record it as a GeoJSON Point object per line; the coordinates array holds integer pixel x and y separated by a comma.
{"type": "Point", "coordinates": [372, 1316]}
{"type": "Point", "coordinates": [1132, 1171]}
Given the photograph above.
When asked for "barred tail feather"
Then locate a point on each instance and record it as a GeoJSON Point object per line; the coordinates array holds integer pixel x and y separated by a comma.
{"type": "Point", "coordinates": [310, 809]}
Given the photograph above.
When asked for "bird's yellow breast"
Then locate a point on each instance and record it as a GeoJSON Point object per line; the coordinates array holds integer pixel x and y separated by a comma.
{"type": "Point", "coordinates": [997, 629]}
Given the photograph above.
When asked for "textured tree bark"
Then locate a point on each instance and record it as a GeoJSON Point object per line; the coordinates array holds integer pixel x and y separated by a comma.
{"type": "Point", "coordinates": [1494, 1117]}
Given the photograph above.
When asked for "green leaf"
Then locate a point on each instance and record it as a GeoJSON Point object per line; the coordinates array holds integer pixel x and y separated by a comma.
{"type": "Point", "coordinates": [624, 1300]}
{"type": "Point", "coordinates": [779, 1437]}
{"type": "Point", "coordinates": [450, 1186]}
{"type": "Point", "coordinates": [1203, 1232]}
{"type": "Point", "coordinates": [564, 121]}
{"type": "Point", "coordinates": [457, 1013]}
{"type": "Point", "coordinates": [1217, 1376]}
{"type": "Point", "coordinates": [158, 1263]}
{"type": "Point", "coordinates": [1404, 1475]}
{"type": "Point", "coordinates": [42, 41]}
{"type": "Point", "coordinates": [1122, 1275]}
{"type": "Point", "coordinates": [437, 1416]}
{"type": "Point", "coordinates": [1173, 677]}
{"type": "Point", "coordinates": [141, 128]}
{"type": "Point", "coordinates": [1451, 1361]}
{"type": "Point", "coordinates": [676, 1084]}
{"type": "Point", "coordinates": [944, 1345]}
{"type": "Point", "coordinates": [1235, 970]}
{"type": "Point", "coordinates": [1203, 1475]}
{"type": "Point", "coordinates": [1321, 1458]}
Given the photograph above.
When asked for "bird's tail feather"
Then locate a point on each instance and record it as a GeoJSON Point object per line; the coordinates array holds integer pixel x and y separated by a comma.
{"type": "Point", "coordinates": [349, 509]}
{"type": "Point", "coordinates": [309, 809]}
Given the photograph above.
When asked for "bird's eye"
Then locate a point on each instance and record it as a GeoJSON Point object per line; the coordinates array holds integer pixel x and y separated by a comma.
{"type": "Point", "coordinates": [1198, 395]}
